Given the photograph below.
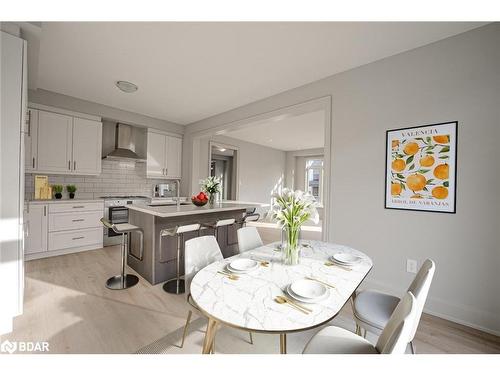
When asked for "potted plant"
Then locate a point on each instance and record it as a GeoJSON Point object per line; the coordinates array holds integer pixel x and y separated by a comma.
{"type": "Point", "coordinates": [71, 189]}
{"type": "Point", "coordinates": [291, 209]}
{"type": "Point", "coordinates": [211, 186]}
{"type": "Point", "coordinates": [57, 189]}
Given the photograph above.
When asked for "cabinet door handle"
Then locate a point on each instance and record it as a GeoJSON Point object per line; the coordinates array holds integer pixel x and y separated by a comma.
{"type": "Point", "coordinates": [44, 210]}
{"type": "Point", "coordinates": [76, 220]}
{"type": "Point", "coordinates": [28, 122]}
{"type": "Point", "coordinates": [78, 238]}
{"type": "Point", "coordinates": [78, 206]}
{"type": "Point", "coordinates": [33, 162]}
{"type": "Point", "coordinates": [69, 164]}
{"type": "Point", "coordinates": [74, 165]}
{"type": "Point", "coordinates": [166, 171]}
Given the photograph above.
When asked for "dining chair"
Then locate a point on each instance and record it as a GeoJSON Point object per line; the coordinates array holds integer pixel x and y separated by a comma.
{"type": "Point", "coordinates": [199, 252]}
{"type": "Point", "coordinates": [372, 309]}
{"type": "Point", "coordinates": [248, 239]}
{"type": "Point", "coordinates": [393, 340]}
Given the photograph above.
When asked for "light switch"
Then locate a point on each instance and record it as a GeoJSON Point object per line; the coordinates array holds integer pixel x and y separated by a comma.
{"type": "Point", "coordinates": [411, 266]}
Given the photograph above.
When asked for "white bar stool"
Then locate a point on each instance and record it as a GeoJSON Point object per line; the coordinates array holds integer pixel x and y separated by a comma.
{"type": "Point", "coordinates": [123, 281]}
{"type": "Point", "coordinates": [249, 217]}
{"type": "Point", "coordinates": [218, 224]}
{"type": "Point", "coordinates": [177, 285]}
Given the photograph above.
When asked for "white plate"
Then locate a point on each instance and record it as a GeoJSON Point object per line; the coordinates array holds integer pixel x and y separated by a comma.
{"type": "Point", "coordinates": [306, 300]}
{"type": "Point", "coordinates": [346, 258]}
{"type": "Point", "coordinates": [308, 289]}
{"type": "Point", "coordinates": [243, 265]}
{"type": "Point", "coordinates": [232, 270]}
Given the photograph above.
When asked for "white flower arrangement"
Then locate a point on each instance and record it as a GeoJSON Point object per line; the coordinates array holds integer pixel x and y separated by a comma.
{"type": "Point", "coordinates": [293, 208]}
{"type": "Point", "coordinates": [211, 185]}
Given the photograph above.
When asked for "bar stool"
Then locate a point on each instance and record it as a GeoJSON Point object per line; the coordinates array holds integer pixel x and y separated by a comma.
{"type": "Point", "coordinates": [177, 285]}
{"type": "Point", "coordinates": [249, 217]}
{"type": "Point", "coordinates": [124, 281]}
{"type": "Point", "coordinates": [218, 224]}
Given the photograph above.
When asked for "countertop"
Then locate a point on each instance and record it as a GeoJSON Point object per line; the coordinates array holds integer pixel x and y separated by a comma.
{"type": "Point", "coordinates": [189, 209]}
{"type": "Point", "coordinates": [49, 201]}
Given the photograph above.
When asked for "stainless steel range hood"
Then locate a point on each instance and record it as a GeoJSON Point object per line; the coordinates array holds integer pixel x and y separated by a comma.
{"type": "Point", "coordinates": [124, 145]}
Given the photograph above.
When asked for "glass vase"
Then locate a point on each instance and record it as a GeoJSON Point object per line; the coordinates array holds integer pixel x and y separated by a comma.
{"type": "Point", "coordinates": [211, 199]}
{"type": "Point", "coordinates": [290, 245]}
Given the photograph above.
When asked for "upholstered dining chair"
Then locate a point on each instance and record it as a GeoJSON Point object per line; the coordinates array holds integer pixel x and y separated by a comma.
{"type": "Point", "coordinates": [248, 239]}
{"type": "Point", "coordinates": [372, 309]}
{"type": "Point", "coordinates": [394, 338]}
{"type": "Point", "coordinates": [199, 252]}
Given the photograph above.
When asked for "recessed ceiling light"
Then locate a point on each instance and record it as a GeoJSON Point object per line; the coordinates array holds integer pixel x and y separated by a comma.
{"type": "Point", "coordinates": [222, 149]}
{"type": "Point", "coordinates": [125, 86]}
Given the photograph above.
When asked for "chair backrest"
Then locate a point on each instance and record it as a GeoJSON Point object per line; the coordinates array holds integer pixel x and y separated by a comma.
{"type": "Point", "coordinates": [199, 252]}
{"type": "Point", "coordinates": [395, 337]}
{"type": "Point", "coordinates": [248, 239]}
{"type": "Point", "coordinates": [419, 287]}
{"type": "Point", "coordinates": [251, 217]}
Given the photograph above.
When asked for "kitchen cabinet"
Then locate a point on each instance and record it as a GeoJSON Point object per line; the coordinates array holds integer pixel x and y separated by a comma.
{"type": "Point", "coordinates": [65, 144]}
{"type": "Point", "coordinates": [31, 141]}
{"type": "Point", "coordinates": [164, 156]}
{"type": "Point", "coordinates": [36, 231]}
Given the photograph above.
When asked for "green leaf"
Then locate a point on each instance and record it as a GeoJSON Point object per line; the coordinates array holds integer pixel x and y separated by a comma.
{"type": "Point", "coordinates": [400, 175]}
{"type": "Point", "coordinates": [444, 157]}
{"type": "Point", "coordinates": [430, 180]}
{"type": "Point", "coordinates": [409, 160]}
{"type": "Point", "coordinates": [444, 149]}
{"type": "Point", "coordinates": [428, 139]}
{"type": "Point", "coordinates": [446, 184]}
{"type": "Point", "coordinates": [411, 167]}
{"type": "Point", "coordinates": [423, 171]}
{"type": "Point", "coordinates": [425, 189]}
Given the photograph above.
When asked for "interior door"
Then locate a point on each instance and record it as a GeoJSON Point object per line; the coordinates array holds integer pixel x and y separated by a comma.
{"type": "Point", "coordinates": [87, 140]}
{"type": "Point", "coordinates": [54, 142]}
{"type": "Point", "coordinates": [156, 159]}
{"type": "Point", "coordinates": [174, 155]}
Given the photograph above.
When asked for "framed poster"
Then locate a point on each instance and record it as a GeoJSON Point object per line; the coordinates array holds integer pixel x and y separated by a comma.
{"type": "Point", "coordinates": [421, 168]}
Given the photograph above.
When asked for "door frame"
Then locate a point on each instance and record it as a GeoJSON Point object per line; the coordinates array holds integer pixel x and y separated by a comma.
{"type": "Point", "coordinates": [236, 163]}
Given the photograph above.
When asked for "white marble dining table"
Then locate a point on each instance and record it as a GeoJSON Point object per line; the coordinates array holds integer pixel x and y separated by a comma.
{"type": "Point", "coordinates": [249, 302]}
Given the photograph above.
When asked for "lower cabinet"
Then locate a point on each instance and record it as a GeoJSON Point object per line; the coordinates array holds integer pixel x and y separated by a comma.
{"type": "Point", "coordinates": [59, 228]}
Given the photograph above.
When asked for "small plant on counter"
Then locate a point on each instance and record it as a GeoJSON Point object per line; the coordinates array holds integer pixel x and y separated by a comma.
{"type": "Point", "coordinates": [71, 189]}
{"type": "Point", "coordinates": [57, 189]}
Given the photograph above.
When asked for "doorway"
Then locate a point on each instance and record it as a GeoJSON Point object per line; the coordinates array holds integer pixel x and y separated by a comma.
{"type": "Point", "coordinates": [223, 161]}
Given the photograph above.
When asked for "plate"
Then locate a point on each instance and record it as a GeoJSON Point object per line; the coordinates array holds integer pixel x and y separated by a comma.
{"type": "Point", "coordinates": [308, 289]}
{"type": "Point", "coordinates": [346, 258]}
{"type": "Point", "coordinates": [305, 300]}
{"type": "Point", "coordinates": [243, 265]}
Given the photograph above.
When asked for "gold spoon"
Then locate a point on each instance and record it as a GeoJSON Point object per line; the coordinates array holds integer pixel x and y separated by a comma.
{"type": "Point", "coordinates": [229, 276]}
{"type": "Point", "coordinates": [329, 264]}
{"type": "Point", "coordinates": [280, 299]}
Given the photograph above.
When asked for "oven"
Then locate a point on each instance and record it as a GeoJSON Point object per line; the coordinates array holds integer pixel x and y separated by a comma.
{"type": "Point", "coordinates": [117, 215]}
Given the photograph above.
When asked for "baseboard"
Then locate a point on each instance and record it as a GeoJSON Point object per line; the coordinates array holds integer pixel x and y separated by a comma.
{"type": "Point", "coordinates": [462, 314]}
{"type": "Point", "coordinates": [53, 253]}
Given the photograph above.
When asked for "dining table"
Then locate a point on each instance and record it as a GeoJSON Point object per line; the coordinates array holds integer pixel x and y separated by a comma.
{"type": "Point", "coordinates": [250, 302]}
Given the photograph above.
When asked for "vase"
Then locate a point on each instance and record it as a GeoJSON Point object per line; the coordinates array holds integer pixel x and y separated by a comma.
{"type": "Point", "coordinates": [211, 199]}
{"type": "Point", "coordinates": [290, 245]}
{"type": "Point", "coordinates": [58, 195]}
{"type": "Point", "coordinates": [71, 195]}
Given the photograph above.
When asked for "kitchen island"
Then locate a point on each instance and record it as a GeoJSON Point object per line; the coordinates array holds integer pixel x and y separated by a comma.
{"type": "Point", "coordinates": [157, 264]}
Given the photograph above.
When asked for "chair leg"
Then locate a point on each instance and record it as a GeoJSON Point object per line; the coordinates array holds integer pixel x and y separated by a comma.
{"type": "Point", "coordinates": [251, 337]}
{"type": "Point", "coordinates": [364, 334]}
{"type": "Point", "coordinates": [412, 347]}
{"type": "Point", "coordinates": [186, 327]}
{"type": "Point", "coordinates": [358, 330]}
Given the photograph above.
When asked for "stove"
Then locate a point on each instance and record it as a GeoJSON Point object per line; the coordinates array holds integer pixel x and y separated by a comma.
{"type": "Point", "coordinates": [116, 212]}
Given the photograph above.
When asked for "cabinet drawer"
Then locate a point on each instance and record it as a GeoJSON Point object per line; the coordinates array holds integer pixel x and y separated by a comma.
{"type": "Point", "coordinates": [74, 220]}
{"type": "Point", "coordinates": [76, 207]}
{"type": "Point", "coordinates": [74, 238]}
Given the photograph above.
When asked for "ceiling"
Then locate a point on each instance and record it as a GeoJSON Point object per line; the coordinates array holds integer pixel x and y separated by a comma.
{"type": "Point", "coordinates": [190, 71]}
{"type": "Point", "coordinates": [286, 133]}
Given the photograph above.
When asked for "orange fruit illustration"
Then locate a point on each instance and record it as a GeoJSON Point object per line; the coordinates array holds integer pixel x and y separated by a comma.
{"type": "Point", "coordinates": [442, 171]}
{"type": "Point", "coordinates": [427, 161]}
{"type": "Point", "coordinates": [441, 139]}
{"type": "Point", "coordinates": [398, 165]}
{"type": "Point", "coordinates": [440, 192]}
{"type": "Point", "coordinates": [411, 148]}
{"type": "Point", "coordinates": [416, 182]}
{"type": "Point", "coordinates": [395, 143]}
{"type": "Point", "coordinates": [396, 189]}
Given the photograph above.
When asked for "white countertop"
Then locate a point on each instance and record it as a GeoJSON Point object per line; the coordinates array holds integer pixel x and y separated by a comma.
{"type": "Point", "coordinates": [249, 302]}
{"type": "Point", "coordinates": [49, 201]}
{"type": "Point", "coordinates": [189, 209]}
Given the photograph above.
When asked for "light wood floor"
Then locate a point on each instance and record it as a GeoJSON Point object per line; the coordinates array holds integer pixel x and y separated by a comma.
{"type": "Point", "coordinates": [67, 305]}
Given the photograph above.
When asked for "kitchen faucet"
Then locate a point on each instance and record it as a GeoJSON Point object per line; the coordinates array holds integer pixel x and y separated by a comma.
{"type": "Point", "coordinates": [178, 191]}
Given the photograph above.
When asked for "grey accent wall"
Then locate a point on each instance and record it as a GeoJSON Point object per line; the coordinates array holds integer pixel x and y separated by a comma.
{"type": "Point", "coordinates": [454, 79]}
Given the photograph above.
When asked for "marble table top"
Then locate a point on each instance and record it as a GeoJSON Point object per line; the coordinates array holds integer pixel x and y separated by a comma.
{"type": "Point", "coordinates": [248, 303]}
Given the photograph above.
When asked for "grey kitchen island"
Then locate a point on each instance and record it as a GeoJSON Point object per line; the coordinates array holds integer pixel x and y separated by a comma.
{"type": "Point", "coordinates": [157, 264]}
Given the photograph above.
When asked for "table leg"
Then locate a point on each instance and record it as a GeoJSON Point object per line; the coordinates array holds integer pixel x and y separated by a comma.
{"type": "Point", "coordinates": [209, 336]}
{"type": "Point", "coordinates": [282, 343]}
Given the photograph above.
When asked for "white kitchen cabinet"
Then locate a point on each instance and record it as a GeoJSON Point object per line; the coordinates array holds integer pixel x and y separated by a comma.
{"type": "Point", "coordinates": [65, 144]}
{"type": "Point", "coordinates": [54, 142]}
{"type": "Point", "coordinates": [164, 156]}
{"type": "Point", "coordinates": [36, 231]}
{"type": "Point", "coordinates": [87, 140]}
{"type": "Point", "coordinates": [156, 158]}
{"type": "Point", "coordinates": [31, 141]}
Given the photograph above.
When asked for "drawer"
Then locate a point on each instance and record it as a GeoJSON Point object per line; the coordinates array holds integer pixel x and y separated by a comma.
{"type": "Point", "coordinates": [76, 207]}
{"type": "Point", "coordinates": [74, 238]}
{"type": "Point", "coordinates": [74, 220]}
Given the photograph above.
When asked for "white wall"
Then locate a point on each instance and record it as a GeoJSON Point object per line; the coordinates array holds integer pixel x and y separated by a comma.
{"type": "Point", "coordinates": [455, 79]}
{"type": "Point", "coordinates": [261, 169]}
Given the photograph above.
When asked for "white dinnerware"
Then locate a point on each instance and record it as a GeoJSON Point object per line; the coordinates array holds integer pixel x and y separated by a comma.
{"type": "Point", "coordinates": [308, 289]}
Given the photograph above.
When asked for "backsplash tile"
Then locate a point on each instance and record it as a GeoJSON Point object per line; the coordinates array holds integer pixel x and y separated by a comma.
{"type": "Point", "coordinates": [116, 178]}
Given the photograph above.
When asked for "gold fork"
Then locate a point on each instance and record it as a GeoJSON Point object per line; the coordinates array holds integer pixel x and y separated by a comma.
{"type": "Point", "coordinates": [229, 276]}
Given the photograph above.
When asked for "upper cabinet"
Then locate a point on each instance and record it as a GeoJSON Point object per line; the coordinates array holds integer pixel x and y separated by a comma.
{"type": "Point", "coordinates": [164, 156]}
{"type": "Point", "coordinates": [62, 144]}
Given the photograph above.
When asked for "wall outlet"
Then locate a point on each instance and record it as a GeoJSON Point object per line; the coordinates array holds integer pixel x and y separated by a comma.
{"type": "Point", "coordinates": [411, 266]}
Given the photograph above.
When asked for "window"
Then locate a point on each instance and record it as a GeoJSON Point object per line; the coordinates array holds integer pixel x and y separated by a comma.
{"type": "Point", "coordinates": [314, 178]}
